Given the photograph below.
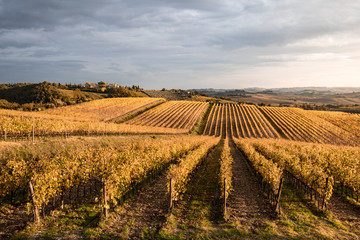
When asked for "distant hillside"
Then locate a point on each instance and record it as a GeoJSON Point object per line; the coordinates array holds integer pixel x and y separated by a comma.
{"type": "Point", "coordinates": [37, 96]}
{"type": "Point", "coordinates": [318, 90]}
{"type": "Point", "coordinates": [320, 98]}
{"type": "Point", "coordinates": [42, 95]}
{"type": "Point", "coordinates": [294, 90]}
{"type": "Point", "coordinates": [169, 94]}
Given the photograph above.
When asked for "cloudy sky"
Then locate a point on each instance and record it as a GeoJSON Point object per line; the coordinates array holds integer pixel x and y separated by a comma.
{"type": "Point", "coordinates": [182, 43]}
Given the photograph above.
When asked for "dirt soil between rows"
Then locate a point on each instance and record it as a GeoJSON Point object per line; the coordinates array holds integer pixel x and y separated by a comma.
{"type": "Point", "coordinates": [344, 211]}
{"type": "Point", "coordinates": [14, 220]}
{"type": "Point", "coordinates": [145, 212]}
{"type": "Point", "coordinates": [246, 201]}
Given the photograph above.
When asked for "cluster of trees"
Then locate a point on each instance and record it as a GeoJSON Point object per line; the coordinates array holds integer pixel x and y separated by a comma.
{"type": "Point", "coordinates": [104, 87]}
{"type": "Point", "coordinates": [31, 97]}
{"type": "Point", "coordinates": [121, 92]}
{"type": "Point", "coordinates": [308, 106]}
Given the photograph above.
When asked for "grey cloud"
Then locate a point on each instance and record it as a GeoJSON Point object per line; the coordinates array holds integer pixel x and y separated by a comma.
{"type": "Point", "coordinates": [47, 14]}
{"type": "Point", "coordinates": [43, 13]}
{"type": "Point", "coordinates": [36, 71]}
{"type": "Point", "coordinates": [141, 40]}
{"type": "Point", "coordinates": [21, 38]}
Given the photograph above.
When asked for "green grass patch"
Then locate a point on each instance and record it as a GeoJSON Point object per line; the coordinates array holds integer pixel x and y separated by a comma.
{"type": "Point", "coordinates": [63, 222]}
{"type": "Point", "coordinates": [201, 123]}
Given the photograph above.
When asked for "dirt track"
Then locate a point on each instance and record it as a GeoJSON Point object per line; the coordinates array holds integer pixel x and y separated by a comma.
{"type": "Point", "coordinates": [247, 200]}
{"type": "Point", "coordinates": [345, 211]}
{"type": "Point", "coordinates": [147, 209]}
{"type": "Point", "coordinates": [13, 221]}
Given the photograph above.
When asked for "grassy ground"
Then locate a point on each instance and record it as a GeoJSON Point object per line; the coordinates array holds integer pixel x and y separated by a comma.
{"type": "Point", "coordinates": [199, 212]}
{"type": "Point", "coordinates": [299, 220]}
{"type": "Point", "coordinates": [77, 218]}
{"type": "Point", "coordinates": [199, 216]}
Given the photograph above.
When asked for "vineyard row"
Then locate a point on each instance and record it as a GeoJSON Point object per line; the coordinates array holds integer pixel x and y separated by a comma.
{"type": "Point", "coordinates": [173, 114]}
{"type": "Point", "coordinates": [15, 127]}
{"type": "Point", "coordinates": [243, 121]}
{"type": "Point", "coordinates": [315, 168]}
{"type": "Point", "coordinates": [249, 121]}
{"type": "Point", "coordinates": [51, 169]}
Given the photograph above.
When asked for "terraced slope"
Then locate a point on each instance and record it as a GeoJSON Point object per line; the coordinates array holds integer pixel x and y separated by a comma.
{"type": "Point", "coordinates": [102, 110]}
{"type": "Point", "coordinates": [97, 110]}
{"type": "Point", "coordinates": [172, 114]}
{"type": "Point", "coordinates": [346, 121]}
{"type": "Point", "coordinates": [296, 124]}
{"type": "Point", "coordinates": [242, 120]}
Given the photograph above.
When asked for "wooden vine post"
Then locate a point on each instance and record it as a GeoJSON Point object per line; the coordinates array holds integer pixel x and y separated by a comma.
{"type": "Point", "coordinates": [33, 134]}
{"type": "Point", "coordinates": [5, 135]}
{"type": "Point", "coordinates": [62, 199]}
{"type": "Point", "coordinates": [225, 197]}
{"type": "Point", "coordinates": [84, 190]}
{"type": "Point", "coordinates": [105, 209]}
{"type": "Point", "coordinates": [326, 187]}
{"type": "Point", "coordinates": [62, 191]}
{"type": "Point", "coordinates": [105, 201]}
{"type": "Point", "coordinates": [35, 207]}
{"type": "Point", "coordinates": [171, 200]}
{"type": "Point", "coordinates": [277, 204]}
{"type": "Point", "coordinates": [88, 133]}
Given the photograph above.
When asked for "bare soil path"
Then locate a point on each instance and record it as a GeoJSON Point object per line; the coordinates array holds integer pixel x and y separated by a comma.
{"type": "Point", "coordinates": [246, 201]}
{"type": "Point", "coordinates": [144, 214]}
{"type": "Point", "coordinates": [198, 213]}
{"type": "Point", "coordinates": [201, 200]}
{"type": "Point", "coordinates": [346, 212]}
{"type": "Point", "coordinates": [13, 220]}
